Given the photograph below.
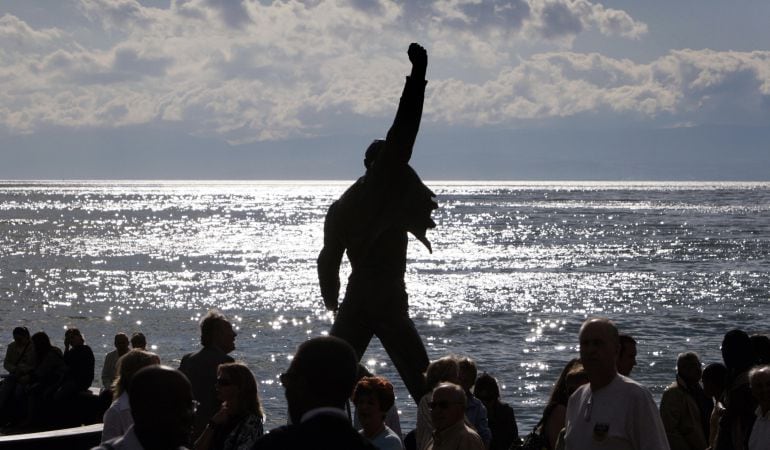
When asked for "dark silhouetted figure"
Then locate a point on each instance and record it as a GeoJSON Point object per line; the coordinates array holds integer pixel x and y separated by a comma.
{"type": "Point", "coordinates": [138, 341]}
{"type": "Point", "coordinates": [79, 359]}
{"type": "Point", "coordinates": [44, 379]}
{"type": "Point", "coordinates": [627, 356]}
{"type": "Point", "coordinates": [19, 362]}
{"type": "Point", "coordinates": [371, 220]}
{"type": "Point", "coordinates": [502, 420]}
{"type": "Point", "coordinates": [162, 408]}
{"type": "Point", "coordinates": [714, 384]}
{"type": "Point", "coordinates": [318, 383]}
{"type": "Point", "coordinates": [738, 418]}
{"type": "Point", "coordinates": [217, 339]}
{"type": "Point", "coordinates": [111, 360]}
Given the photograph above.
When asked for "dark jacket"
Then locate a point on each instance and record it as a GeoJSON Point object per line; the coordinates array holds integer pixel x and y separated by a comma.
{"type": "Point", "coordinates": [201, 369]}
{"type": "Point", "coordinates": [321, 432]}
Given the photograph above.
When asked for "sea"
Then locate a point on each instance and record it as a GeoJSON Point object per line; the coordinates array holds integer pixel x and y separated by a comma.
{"type": "Point", "coordinates": [516, 268]}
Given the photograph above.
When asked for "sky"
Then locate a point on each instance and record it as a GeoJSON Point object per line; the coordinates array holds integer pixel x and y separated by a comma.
{"type": "Point", "coordinates": [518, 89]}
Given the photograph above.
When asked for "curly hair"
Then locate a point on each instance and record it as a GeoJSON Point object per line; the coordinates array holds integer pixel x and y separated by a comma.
{"type": "Point", "coordinates": [377, 387]}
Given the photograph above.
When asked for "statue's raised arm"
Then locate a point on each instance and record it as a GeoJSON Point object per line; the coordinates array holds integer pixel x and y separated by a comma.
{"type": "Point", "coordinates": [397, 147]}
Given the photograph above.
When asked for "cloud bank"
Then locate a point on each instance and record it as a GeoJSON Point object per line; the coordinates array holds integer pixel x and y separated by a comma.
{"type": "Point", "coordinates": [249, 71]}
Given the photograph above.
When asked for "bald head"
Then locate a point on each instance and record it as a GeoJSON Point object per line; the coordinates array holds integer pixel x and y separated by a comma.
{"type": "Point", "coordinates": [599, 349]}
{"type": "Point", "coordinates": [447, 405]}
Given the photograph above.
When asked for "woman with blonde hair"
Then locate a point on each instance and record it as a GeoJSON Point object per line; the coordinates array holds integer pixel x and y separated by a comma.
{"type": "Point", "coordinates": [117, 418]}
{"type": "Point", "coordinates": [239, 421]}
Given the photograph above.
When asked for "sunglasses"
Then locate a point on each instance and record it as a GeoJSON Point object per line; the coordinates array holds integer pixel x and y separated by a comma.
{"type": "Point", "coordinates": [442, 404]}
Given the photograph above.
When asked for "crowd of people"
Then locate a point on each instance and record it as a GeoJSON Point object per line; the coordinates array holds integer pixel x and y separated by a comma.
{"type": "Point", "coordinates": [212, 402]}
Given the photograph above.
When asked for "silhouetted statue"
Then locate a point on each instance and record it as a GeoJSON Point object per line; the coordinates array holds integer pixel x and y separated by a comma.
{"type": "Point", "coordinates": [371, 220]}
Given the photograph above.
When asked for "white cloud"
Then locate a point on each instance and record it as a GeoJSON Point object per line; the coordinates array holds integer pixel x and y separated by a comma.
{"type": "Point", "coordinates": [245, 70]}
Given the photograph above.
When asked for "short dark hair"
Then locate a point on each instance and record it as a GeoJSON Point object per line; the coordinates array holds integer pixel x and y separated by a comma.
{"type": "Point", "coordinates": [21, 332]}
{"type": "Point", "coordinates": [138, 340]}
{"type": "Point", "coordinates": [716, 373]}
{"type": "Point", "coordinates": [210, 325]}
{"type": "Point", "coordinates": [487, 384]}
{"type": "Point", "coordinates": [329, 366]}
{"type": "Point", "coordinates": [377, 387]}
{"type": "Point", "coordinates": [625, 340]}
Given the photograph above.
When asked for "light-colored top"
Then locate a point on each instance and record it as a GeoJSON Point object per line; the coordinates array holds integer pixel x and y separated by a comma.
{"type": "Point", "coordinates": [459, 436]}
{"type": "Point", "coordinates": [129, 441]}
{"type": "Point", "coordinates": [392, 421]}
{"type": "Point", "coordinates": [109, 368]}
{"type": "Point", "coordinates": [117, 419]}
{"type": "Point", "coordinates": [387, 440]}
{"type": "Point", "coordinates": [424, 428]}
{"type": "Point", "coordinates": [681, 418]}
{"type": "Point", "coordinates": [619, 416]}
{"type": "Point", "coordinates": [476, 413]}
{"type": "Point", "coordinates": [760, 433]}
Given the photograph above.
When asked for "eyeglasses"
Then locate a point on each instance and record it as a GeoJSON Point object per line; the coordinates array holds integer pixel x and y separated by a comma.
{"type": "Point", "coordinates": [224, 382]}
{"type": "Point", "coordinates": [195, 405]}
{"type": "Point", "coordinates": [442, 404]}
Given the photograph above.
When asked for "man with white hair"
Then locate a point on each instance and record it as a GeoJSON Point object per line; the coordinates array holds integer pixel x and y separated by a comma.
{"type": "Point", "coordinates": [611, 411]}
{"type": "Point", "coordinates": [447, 412]}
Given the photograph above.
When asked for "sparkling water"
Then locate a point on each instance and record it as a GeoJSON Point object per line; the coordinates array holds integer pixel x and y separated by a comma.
{"type": "Point", "coordinates": [516, 268]}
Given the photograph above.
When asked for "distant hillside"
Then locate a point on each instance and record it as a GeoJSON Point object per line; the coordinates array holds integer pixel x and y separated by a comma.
{"type": "Point", "coordinates": [698, 153]}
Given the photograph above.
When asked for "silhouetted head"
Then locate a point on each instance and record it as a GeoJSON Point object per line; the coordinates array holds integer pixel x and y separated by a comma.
{"type": "Point", "coordinates": [443, 369]}
{"type": "Point", "coordinates": [714, 379]}
{"type": "Point", "coordinates": [74, 337]}
{"type": "Point", "coordinates": [486, 389]}
{"type": "Point", "coordinates": [737, 352]}
{"type": "Point", "coordinates": [127, 366]}
{"type": "Point", "coordinates": [121, 343]}
{"type": "Point", "coordinates": [468, 372]}
{"type": "Point", "coordinates": [372, 151]}
{"type": "Point", "coordinates": [138, 341]}
{"type": "Point", "coordinates": [217, 331]}
{"type": "Point", "coordinates": [760, 345]}
{"type": "Point", "coordinates": [599, 349]}
{"type": "Point", "coordinates": [41, 343]}
{"type": "Point", "coordinates": [688, 368]}
{"type": "Point", "coordinates": [322, 373]}
{"type": "Point", "coordinates": [627, 355]}
{"type": "Point", "coordinates": [447, 405]}
{"type": "Point", "coordinates": [21, 335]}
{"type": "Point", "coordinates": [162, 407]}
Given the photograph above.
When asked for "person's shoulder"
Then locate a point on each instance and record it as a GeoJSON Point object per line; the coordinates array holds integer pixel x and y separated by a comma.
{"type": "Point", "coordinates": [280, 437]}
{"type": "Point", "coordinates": [632, 388]}
{"type": "Point", "coordinates": [472, 436]}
